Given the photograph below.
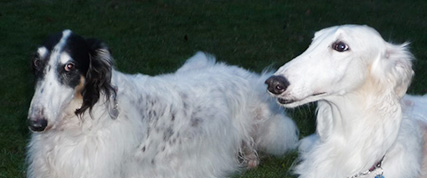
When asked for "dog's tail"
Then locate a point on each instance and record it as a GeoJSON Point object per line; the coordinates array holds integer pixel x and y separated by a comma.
{"type": "Point", "coordinates": [198, 61]}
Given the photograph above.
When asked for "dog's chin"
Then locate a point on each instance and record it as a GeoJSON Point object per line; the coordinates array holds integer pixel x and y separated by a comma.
{"type": "Point", "coordinates": [290, 102]}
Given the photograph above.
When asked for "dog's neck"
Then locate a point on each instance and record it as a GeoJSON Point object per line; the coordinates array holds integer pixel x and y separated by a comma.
{"type": "Point", "coordinates": [358, 128]}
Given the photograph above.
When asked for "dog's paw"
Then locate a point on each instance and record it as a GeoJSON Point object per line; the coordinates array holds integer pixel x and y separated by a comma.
{"type": "Point", "coordinates": [252, 161]}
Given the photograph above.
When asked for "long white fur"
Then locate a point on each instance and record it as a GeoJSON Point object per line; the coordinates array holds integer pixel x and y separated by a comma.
{"type": "Point", "coordinates": [189, 124]}
{"type": "Point", "coordinates": [361, 115]}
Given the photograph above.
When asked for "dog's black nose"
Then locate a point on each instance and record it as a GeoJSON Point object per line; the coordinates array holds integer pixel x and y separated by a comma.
{"type": "Point", "coordinates": [37, 125]}
{"type": "Point", "coordinates": [277, 84]}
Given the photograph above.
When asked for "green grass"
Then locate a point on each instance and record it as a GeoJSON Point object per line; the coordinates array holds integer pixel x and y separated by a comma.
{"type": "Point", "coordinates": [156, 36]}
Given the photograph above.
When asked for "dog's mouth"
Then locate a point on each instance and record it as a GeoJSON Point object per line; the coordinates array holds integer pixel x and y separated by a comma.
{"type": "Point", "coordinates": [286, 101]}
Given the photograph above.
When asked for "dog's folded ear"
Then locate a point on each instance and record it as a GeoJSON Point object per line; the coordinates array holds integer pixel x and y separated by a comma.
{"type": "Point", "coordinates": [396, 65]}
{"type": "Point", "coordinates": [98, 76]}
{"type": "Point", "coordinates": [401, 72]}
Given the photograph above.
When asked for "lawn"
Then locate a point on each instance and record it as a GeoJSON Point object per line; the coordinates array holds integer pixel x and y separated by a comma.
{"type": "Point", "coordinates": [156, 36]}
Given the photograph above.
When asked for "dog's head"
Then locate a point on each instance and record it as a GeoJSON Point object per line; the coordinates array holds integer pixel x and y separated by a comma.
{"type": "Point", "coordinates": [71, 73]}
{"type": "Point", "coordinates": [340, 60]}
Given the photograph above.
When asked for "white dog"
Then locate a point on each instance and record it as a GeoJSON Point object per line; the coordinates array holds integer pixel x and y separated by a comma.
{"type": "Point", "coordinates": [91, 121]}
{"type": "Point", "coordinates": [364, 127]}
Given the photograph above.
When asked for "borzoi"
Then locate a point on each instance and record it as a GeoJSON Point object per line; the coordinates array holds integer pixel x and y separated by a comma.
{"type": "Point", "coordinates": [89, 120]}
{"type": "Point", "coordinates": [364, 127]}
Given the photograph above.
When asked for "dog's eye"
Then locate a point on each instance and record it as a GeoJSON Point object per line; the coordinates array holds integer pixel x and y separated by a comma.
{"type": "Point", "coordinates": [69, 67]}
{"type": "Point", "coordinates": [340, 46]}
{"type": "Point", "coordinates": [37, 63]}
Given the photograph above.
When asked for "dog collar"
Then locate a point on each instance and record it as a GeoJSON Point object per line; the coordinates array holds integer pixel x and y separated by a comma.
{"type": "Point", "coordinates": [376, 166]}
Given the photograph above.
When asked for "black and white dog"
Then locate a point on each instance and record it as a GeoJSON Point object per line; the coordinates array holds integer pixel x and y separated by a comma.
{"type": "Point", "coordinates": [207, 119]}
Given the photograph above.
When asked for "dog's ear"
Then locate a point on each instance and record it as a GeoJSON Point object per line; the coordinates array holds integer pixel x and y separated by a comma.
{"type": "Point", "coordinates": [394, 68]}
{"type": "Point", "coordinates": [98, 76]}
